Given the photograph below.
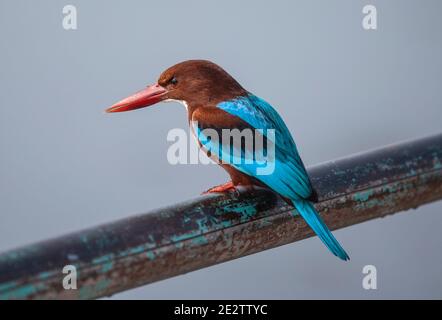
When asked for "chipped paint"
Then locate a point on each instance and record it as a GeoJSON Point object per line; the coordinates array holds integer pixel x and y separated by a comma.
{"type": "Point", "coordinates": [8, 285]}
{"type": "Point", "coordinates": [106, 267]}
{"type": "Point", "coordinates": [150, 255]}
{"type": "Point", "coordinates": [363, 195]}
{"type": "Point", "coordinates": [201, 240]}
{"type": "Point", "coordinates": [22, 292]}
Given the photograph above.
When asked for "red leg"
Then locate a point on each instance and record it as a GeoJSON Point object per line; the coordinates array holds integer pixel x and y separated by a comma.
{"type": "Point", "coordinates": [221, 188]}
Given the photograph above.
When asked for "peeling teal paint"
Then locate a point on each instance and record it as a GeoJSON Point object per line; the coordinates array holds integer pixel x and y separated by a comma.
{"type": "Point", "coordinates": [86, 292]}
{"type": "Point", "coordinates": [19, 254]}
{"type": "Point", "coordinates": [179, 245]}
{"type": "Point", "coordinates": [109, 258]}
{"type": "Point", "coordinates": [363, 195]}
{"type": "Point", "coordinates": [137, 250]}
{"type": "Point", "coordinates": [339, 172]}
{"type": "Point", "coordinates": [103, 259]}
{"type": "Point", "coordinates": [107, 267]}
{"type": "Point", "coordinates": [437, 164]}
{"type": "Point", "coordinates": [201, 240]}
{"type": "Point", "coordinates": [22, 292]}
{"type": "Point", "coordinates": [150, 255]}
{"type": "Point", "coordinates": [202, 225]}
{"type": "Point", "coordinates": [8, 285]}
{"type": "Point", "coordinates": [91, 291]}
{"type": "Point", "coordinates": [84, 239]}
{"type": "Point", "coordinates": [184, 236]}
{"type": "Point", "coordinates": [387, 201]}
{"type": "Point", "coordinates": [45, 275]}
{"type": "Point", "coordinates": [246, 211]}
{"type": "Point", "coordinates": [102, 284]}
{"type": "Point", "coordinates": [266, 221]}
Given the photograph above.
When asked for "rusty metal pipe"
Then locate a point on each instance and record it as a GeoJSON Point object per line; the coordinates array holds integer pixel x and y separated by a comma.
{"type": "Point", "coordinates": [212, 229]}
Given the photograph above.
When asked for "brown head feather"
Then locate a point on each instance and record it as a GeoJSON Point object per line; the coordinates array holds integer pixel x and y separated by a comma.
{"type": "Point", "coordinates": [199, 83]}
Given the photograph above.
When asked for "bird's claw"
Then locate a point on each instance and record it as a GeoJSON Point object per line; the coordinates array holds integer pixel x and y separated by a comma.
{"type": "Point", "coordinates": [223, 188]}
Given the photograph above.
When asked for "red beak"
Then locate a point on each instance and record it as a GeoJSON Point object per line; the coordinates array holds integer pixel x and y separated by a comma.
{"type": "Point", "coordinates": [144, 98]}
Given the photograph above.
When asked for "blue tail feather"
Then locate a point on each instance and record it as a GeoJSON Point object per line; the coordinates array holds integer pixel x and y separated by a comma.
{"type": "Point", "coordinates": [314, 220]}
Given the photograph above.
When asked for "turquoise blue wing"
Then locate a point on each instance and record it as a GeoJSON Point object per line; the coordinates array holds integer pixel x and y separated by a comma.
{"type": "Point", "coordinates": [286, 173]}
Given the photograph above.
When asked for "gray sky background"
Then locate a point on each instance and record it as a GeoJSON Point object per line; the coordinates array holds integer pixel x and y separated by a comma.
{"type": "Point", "coordinates": [65, 165]}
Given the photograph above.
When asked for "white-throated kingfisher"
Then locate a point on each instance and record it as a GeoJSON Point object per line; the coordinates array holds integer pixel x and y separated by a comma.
{"type": "Point", "coordinates": [215, 100]}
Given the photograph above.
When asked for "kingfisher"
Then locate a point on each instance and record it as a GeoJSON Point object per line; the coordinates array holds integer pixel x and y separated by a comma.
{"type": "Point", "coordinates": [216, 101]}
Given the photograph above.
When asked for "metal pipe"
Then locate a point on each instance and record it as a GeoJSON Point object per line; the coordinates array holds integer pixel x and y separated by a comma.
{"type": "Point", "coordinates": [212, 229]}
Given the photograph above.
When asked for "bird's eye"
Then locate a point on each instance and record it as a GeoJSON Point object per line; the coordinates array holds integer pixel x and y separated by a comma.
{"type": "Point", "coordinates": [173, 81]}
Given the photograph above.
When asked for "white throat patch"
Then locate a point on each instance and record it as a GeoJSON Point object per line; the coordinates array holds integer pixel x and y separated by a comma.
{"type": "Point", "coordinates": [184, 103]}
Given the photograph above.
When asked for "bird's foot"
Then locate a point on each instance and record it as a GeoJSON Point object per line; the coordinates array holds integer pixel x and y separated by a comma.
{"type": "Point", "coordinates": [229, 186]}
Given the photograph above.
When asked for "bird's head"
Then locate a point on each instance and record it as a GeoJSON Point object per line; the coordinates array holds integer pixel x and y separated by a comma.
{"type": "Point", "coordinates": [193, 82]}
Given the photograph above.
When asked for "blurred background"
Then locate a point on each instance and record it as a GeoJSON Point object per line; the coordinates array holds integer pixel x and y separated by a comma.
{"type": "Point", "coordinates": [65, 165]}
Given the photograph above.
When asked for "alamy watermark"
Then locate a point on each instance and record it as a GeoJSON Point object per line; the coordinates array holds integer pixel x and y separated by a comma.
{"type": "Point", "coordinates": [254, 148]}
{"type": "Point", "coordinates": [69, 17]}
{"type": "Point", "coordinates": [70, 280]}
{"type": "Point", "coordinates": [370, 280]}
{"type": "Point", "coordinates": [370, 19]}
